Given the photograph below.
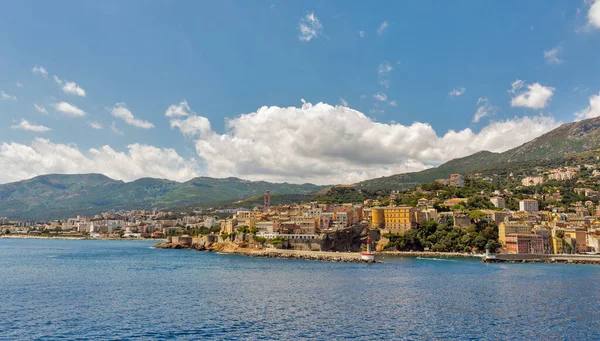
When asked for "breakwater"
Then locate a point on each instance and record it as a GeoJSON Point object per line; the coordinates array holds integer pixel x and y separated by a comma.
{"type": "Point", "coordinates": [543, 258]}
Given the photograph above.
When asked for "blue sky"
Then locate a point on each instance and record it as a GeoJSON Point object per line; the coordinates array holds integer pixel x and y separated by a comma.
{"type": "Point", "coordinates": [227, 59]}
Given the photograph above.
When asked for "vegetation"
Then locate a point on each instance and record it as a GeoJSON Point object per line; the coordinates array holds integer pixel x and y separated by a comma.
{"type": "Point", "coordinates": [445, 238]}
{"type": "Point", "coordinates": [340, 195]}
{"type": "Point", "coordinates": [57, 196]}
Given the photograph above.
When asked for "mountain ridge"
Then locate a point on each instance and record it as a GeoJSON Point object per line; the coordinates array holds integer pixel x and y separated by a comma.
{"type": "Point", "coordinates": [61, 195]}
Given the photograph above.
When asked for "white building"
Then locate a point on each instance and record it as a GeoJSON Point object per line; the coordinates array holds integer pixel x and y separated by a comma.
{"type": "Point", "coordinates": [498, 202]}
{"type": "Point", "coordinates": [532, 181]}
{"type": "Point", "coordinates": [528, 205]}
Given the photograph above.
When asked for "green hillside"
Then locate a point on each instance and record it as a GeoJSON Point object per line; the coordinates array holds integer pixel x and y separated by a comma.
{"type": "Point", "coordinates": [59, 196]}
{"type": "Point", "coordinates": [569, 138]}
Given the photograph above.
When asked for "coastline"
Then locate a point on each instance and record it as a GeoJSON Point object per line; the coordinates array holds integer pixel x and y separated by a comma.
{"type": "Point", "coordinates": [233, 248]}
{"type": "Point", "coordinates": [78, 238]}
{"type": "Point", "coordinates": [427, 254]}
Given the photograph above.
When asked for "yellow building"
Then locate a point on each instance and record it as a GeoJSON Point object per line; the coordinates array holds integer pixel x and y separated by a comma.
{"type": "Point", "coordinates": [557, 244]}
{"type": "Point", "coordinates": [505, 229]}
{"type": "Point", "coordinates": [397, 219]}
{"type": "Point", "coordinates": [580, 237]}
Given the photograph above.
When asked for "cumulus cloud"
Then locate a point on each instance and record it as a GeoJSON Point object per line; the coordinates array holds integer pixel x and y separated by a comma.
{"type": "Point", "coordinates": [19, 85]}
{"type": "Point", "coordinates": [95, 125]}
{"type": "Point", "coordinates": [457, 92]}
{"type": "Point", "coordinates": [22, 161]}
{"type": "Point", "coordinates": [70, 88]}
{"type": "Point", "coordinates": [69, 109]}
{"type": "Point", "coordinates": [310, 27]}
{"type": "Point", "coordinates": [40, 109]}
{"type": "Point", "coordinates": [6, 97]}
{"type": "Point", "coordinates": [328, 144]}
{"type": "Point", "coordinates": [393, 103]}
{"type": "Point", "coordinates": [120, 111]}
{"type": "Point", "coordinates": [343, 102]}
{"type": "Point", "coordinates": [536, 96]}
{"type": "Point", "coordinates": [484, 109]}
{"type": "Point", "coordinates": [382, 27]}
{"type": "Point", "coordinates": [593, 110]}
{"type": "Point", "coordinates": [594, 14]}
{"type": "Point", "coordinates": [552, 56]}
{"type": "Point", "coordinates": [40, 70]}
{"type": "Point", "coordinates": [25, 125]}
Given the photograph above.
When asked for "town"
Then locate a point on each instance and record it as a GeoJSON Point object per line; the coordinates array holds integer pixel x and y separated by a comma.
{"type": "Point", "coordinates": [424, 218]}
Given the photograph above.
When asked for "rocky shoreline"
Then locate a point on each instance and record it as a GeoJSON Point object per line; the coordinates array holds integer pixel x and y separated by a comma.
{"type": "Point", "coordinates": [428, 254]}
{"type": "Point", "coordinates": [233, 248]}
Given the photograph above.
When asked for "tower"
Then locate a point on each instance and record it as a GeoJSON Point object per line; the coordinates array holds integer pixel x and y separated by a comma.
{"type": "Point", "coordinates": [267, 200]}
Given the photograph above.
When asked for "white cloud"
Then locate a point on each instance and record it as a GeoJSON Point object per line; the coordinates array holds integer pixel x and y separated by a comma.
{"type": "Point", "coordinates": [380, 97]}
{"type": "Point", "coordinates": [181, 109]}
{"type": "Point", "coordinates": [114, 129]}
{"type": "Point", "coordinates": [21, 161]}
{"type": "Point", "coordinates": [383, 70]}
{"type": "Point", "coordinates": [40, 70]}
{"type": "Point", "coordinates": [594, 14]}
{"type": "Point", "coordinates": [593, 110]}
{"type": "Point", "coordinates": [393, 103]}
{"type": "Point", "coordinates": [551, 56]}
{"type": "Point", "coordinates": [361, 34]}
{"type": "Point", "coordinates": [6, 97]}
{"type": "Point", "coordinates": [310, 27]}
{"type": "Point", "coordinates": [69, 109]}
{"type": "Point", "coordinates": [19, 85]}
{"type": "Point", "coordinates": [25, 125]}
{"type": "Point", "coordinates": [484, 109]}
{"type": "Point", "coordinates": [457, 92]}
{"type": "Point", "coordinates": [120, 111]}
{"type": "Point", "coordinates": [343, 102]}
{"type": "Point", "coordinates": [382, 28]}
{"type": "Point", "coordinates": [536, 96]}
{"type": "Point", "coordinates": [70, 88]}
{"type": "Point", "coordinates": [516, 85]}
{"type": "Point", "coordinates": [95, 125]}
{"type": "Point", "coordinates": [335, 144]}
{"type": "Point", "coordinates": [40, 109]}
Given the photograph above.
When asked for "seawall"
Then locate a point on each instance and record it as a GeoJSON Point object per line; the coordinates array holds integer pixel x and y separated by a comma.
{"type": "Point", "coordinates": [543, 258]}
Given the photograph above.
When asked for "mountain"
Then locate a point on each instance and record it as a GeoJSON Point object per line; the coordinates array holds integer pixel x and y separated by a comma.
{"type": "Point", "coordinates": [551, 147]}
{"type": "Point", "coordinates": [56, 196]}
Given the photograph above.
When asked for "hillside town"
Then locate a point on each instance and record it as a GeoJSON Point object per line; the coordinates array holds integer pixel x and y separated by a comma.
{"type": "Point", "coordinates": [425, 218]}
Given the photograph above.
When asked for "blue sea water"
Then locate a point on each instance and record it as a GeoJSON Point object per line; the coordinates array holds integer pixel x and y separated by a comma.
{"type": "Point", "coordinates": [126, 290]}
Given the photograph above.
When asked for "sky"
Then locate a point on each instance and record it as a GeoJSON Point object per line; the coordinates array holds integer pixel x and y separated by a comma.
{"type": "Point", "coordinates": [325, 92]}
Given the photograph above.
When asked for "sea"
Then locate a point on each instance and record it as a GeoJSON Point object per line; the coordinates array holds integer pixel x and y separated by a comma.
{"type": "Point", "coordinates": [127, 290]}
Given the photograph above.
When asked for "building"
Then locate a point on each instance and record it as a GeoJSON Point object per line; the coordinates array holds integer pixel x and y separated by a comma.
{"type": "Point", "coordinates": [528, 205]}
{"type": "Point", "coordinates": [579, 236]}
{"type": "Point", "coordinates": [524, 243]}
{"type": "Point", "coordinates": [456, 180]}
{"type": "Point", "coordinates": [505, 229]}
{"type": "Point", "coordinates": [394, 219]}
{"type": "Point", "coordinates": [498, 202]}
{"type": "Point", "coordinates": [532, 181]}
{"type": "Point", "coordinates": [454, 201]}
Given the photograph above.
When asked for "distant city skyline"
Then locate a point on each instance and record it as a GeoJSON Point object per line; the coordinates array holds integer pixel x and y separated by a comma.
{"type": "Point", "coordinates": [325, 92]}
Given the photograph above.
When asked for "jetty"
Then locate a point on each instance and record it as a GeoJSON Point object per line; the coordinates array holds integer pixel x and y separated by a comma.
{"type": "Point", "coordinates": [542, 258]}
